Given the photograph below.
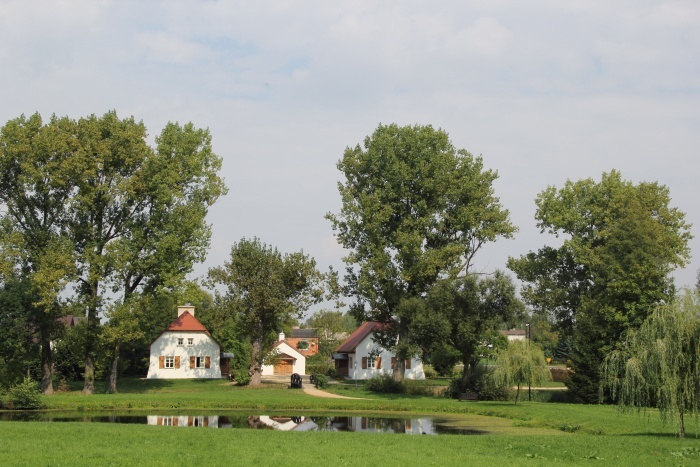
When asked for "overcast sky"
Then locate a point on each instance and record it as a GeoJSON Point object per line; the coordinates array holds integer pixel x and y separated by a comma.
{"type": "Point", "coordinates": [544, 90]}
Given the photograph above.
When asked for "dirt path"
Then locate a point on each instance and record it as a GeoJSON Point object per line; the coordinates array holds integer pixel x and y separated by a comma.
{"type": "Point", "coordinates": [312, 391]}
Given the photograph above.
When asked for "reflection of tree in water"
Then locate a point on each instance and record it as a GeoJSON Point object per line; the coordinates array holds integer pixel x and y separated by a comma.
{"type": "Point", "coordinates": [255, 422]}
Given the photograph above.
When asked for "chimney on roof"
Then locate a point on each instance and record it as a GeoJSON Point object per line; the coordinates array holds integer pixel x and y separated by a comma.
{"type": "Point", "coordinates": [281, 337]}
{"type": "Point", "coordinates": [183, 308]}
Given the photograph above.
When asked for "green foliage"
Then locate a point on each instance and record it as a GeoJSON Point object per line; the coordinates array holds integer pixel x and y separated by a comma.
{"type": "Point", "coordinates": [319, 364]}
{"type": "Point", "coordinates": [302, 345]}
{"type": "Point", "coordinates": [521, 363]}
{"type": "Point", "coordinates": [24, 396]}
{"type": "Point", "coordinates": [321, 381]}
{"type": "Point", "coordinates": [330, 326]}
{"type": "Point", "coordinates": [478, 380]}
{"type": "Point", "coordinates": [621, 241]}
{"type": "Point", "coordinates": [414, 209]}
{"type": "Point", "coordinates": [385, 384]}
{"type": "Point", "coordinates": [264, 289]}
{"type": "Point", "coordinates": [659, 365]}
{"type": "Point", "coordinates": [461, 314]}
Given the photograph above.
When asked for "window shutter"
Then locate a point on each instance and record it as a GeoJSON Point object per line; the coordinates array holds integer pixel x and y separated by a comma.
{"type": "Point", "coordinates": [408, 363]}
{"type": "Point", "coordinates": [393, 362]}
{"type": "Point", "coordinates": [161, 362]}
{"type": "Point", "coordinates": [191, 362]}
{"type": "Point", "coordinates": [364, 363]}
{"type": "Point", "coordinates": [379, 363]}
{"type": "Point", "coordinates": [207, 362]}
{"type": "Point", "coordinates": [177, 362]}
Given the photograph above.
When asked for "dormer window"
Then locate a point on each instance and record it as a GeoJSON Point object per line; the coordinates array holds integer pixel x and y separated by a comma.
{"type": "Point", "coordinates": [180, 341]}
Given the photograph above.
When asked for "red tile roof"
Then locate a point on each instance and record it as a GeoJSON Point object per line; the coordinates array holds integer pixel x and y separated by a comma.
{"type": "Point", "coordinates": [186, 322]}
{"type": "Point", "coordinates": [358, 335]}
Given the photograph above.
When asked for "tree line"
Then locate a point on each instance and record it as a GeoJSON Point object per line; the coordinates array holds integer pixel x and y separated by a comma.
{"type": "Point", "coordinates": [96, 221]}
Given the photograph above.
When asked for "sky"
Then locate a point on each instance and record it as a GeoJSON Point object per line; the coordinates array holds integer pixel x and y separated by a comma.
{"type": "Point", "coordinates": [545, 91]}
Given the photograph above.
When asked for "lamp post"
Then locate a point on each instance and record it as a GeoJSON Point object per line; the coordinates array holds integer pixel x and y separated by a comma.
{"type": "Point", "coordinates": [527, 335]}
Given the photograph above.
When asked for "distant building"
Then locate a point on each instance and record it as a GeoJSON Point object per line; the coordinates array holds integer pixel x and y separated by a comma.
{"type": "Point", "coordinates": [514, 334]}
{"type": "Point", "coordinates": [305, 341]}
{"type": "Point", "coordinates": [287, 361]}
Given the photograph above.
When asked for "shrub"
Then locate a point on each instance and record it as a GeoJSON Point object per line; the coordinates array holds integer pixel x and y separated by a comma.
{"type": "Point", "coordinates": [24, 396]}
{"type": "Point", "coordinates": [430, 372]}
{"type": "Point", "coordinates": [385, 384]}
{"type": "Point", "coordinates": [241, 376]}
{"type": "Point", "coordinates": [321, 381]}
{"type": "Point", "coordinates": [480, 382]}
{"type": "Point", "coordinates": [319, 364]}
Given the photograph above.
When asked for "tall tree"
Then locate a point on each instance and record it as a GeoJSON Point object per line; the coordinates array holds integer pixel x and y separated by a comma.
{"type": "Point", "coordinates": [461, 312]}
{"type": "Point", "coordinates": [659, 365]}
{"type": "Point", "coordinates": [613, 268]}
{"type": "Point", "coordinates": [263, 290]}
{"type": "Point", "coordinates": [37, 178]}
{"type": "Point", "coordinates": [331, 327]}
{"type": "Point", "coordinates": [414, 209]}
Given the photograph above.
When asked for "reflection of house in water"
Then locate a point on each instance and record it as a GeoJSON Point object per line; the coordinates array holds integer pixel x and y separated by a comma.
{"type": "Point", "coordinates": [209, 421]}
{"type": "Point", "coordinates": [384, 425]}
{"type": "Point", "coordinates": [288, 423]}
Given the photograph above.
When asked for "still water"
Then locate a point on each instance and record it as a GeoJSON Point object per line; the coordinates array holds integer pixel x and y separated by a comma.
{"type": "Point", "coordinates": [416, 426]}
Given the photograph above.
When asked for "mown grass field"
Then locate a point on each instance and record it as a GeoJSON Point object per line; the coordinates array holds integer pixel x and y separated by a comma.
{"type": "Point", "coordinates": [532, 433]}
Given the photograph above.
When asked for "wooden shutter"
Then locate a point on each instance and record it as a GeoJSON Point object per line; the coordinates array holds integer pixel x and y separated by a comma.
{"type": "Point", "coordinates": [161, 362]}
{"type": "Point", "coordinates": [207, 362]}
{"type": "Point", "coordinates": [408, 363]}
{"type": "Point", "coordinates": [379, 363]}
{"type": "Point", "coordinates": [364, 363]}
{"type": "Point", "coordinates": [393, 362]}
{"type": "Point", "coordinates": [177, 362]}
{"type": "Point", "coordinates": [192, 362]}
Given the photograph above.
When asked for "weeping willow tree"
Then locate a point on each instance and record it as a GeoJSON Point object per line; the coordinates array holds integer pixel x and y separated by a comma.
{"type": "Point", "coordinates": [520, 363]}
{"type": "Point", "coordinates": [659, 365]}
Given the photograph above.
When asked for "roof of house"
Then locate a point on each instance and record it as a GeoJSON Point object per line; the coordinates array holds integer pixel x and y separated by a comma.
{"type": "Point", "coordinates": [348, 346]}
{"type": "Point", "coordinates": [514, 332]}
{"type": "Point", "coordinates": [186, 322]}
{"type": "Point", "coordinates": [303, 333]}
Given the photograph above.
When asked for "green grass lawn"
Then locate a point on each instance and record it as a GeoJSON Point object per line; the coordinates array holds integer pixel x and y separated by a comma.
{"type": "Point", "coordinates": [532, 433]}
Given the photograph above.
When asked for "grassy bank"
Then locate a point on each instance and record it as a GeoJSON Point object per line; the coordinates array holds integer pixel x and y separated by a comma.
{"type": "Point", "coordinates": [533, 432]}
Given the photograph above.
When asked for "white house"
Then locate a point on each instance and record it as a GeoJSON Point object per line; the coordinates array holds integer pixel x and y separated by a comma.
{"type": "Point", "coordinates": [287, 361]}
{"type": "Point", "coordinates": [186, 350]}
{"type": "Point", "coordinates": [514, 334]}
{"type": "Point", "coordinates": [359, 357]}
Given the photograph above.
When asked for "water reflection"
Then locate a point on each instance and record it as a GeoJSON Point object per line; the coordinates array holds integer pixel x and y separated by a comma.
{"type": "Point", "coordinates": [419, 425]}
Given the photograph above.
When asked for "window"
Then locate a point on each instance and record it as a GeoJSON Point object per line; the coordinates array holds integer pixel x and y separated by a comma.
{"type": "Point", "coordinates": [199, 362]}
{"type": "Point", "coordinates": [371, 361]}
{"type": "Point", "coordinates": [180, 340]}
{"type": "Point", "coordinates": [169, 362]}
{"type": "Point", "coordinates": [190, 341]}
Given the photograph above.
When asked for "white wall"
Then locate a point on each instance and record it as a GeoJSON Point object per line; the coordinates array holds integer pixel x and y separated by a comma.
{"type": "Point", "coordinates": [166, 345]}
{"type": "Point", "coordinates": [367, 346]}
{"type": "Point", "coordinates": [299, 366]}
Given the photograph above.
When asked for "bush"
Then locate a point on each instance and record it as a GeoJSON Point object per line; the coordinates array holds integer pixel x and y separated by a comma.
{"type": "Point", "coordinates": [319, 364]}
{"type": "Point", "coordinates": [385, 384]}
{"type": "Point", "coordinates": [24, 396]}
{"type": "Point", "coordinates": [321, 381]}
{"type": "Point", "coordinates": [430, 372]}
{"type": "Point", "coordinates": [241, 376]}
{"type": "Point", "coordinates": [480, 382]}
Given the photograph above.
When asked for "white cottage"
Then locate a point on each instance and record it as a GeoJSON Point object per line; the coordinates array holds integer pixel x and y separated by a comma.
{"type": "Point", "coordinates": [359, 357]}
{"type": "Point", "coordinates": [288, 360]}
{"type": "Point", "coordinates": [186, 350]}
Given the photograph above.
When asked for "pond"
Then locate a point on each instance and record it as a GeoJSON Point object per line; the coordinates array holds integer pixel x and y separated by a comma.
{"type": "Point", "coordinates": [328, 423]}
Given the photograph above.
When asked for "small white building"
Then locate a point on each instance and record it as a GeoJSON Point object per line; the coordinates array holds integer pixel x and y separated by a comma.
{"type": "Point", "coordinates": [287, 360]}
{"type": "Point", "coordinates": [359, 357]}
{"type": "Point", "coordinates": [185, 350]}
{"type": "Point", "coordinates": [514, 334]}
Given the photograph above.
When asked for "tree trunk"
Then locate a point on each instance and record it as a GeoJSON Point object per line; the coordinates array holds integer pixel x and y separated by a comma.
{"type": "Point", "coordinates": [517, 394]}
{"type": "Point", "coordinates": [112, 377]}
{"type": "Point", "coordinates": [399, 367]}
{"type": "Point", "coordinates": [256, 364]}
{"type": "Point", "coordinates": [681, 432]}
{"type": "Point", "coordinates": [90, 339]}
{"type": "Point", "coordinates": [46, 366]}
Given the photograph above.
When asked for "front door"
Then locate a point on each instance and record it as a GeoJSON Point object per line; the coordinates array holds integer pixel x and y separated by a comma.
{"type": "Point", "coordinates": [284, 367]}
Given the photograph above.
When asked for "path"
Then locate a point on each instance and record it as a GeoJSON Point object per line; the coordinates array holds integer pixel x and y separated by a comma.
{"type": "Point", "coordinates": [312, 391]}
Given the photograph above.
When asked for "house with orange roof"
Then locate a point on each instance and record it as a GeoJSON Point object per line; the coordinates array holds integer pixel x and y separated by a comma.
{"type": "Point", "coordinates": [285, 360]}
{"type": "Point", "coordinates": [187, 350]}
{"type": "Point", "coordinates": [359, 357]}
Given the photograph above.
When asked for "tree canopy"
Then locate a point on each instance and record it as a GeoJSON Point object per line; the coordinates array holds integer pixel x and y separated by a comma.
{"type": "Point", "coordinates": [263, 290]}
{"type": "Point", "coordinates": [620, 243]}
{"type": "Point", "coordinates": [414, 209]}
{"type": "Point", "coordinates": [659, 364]}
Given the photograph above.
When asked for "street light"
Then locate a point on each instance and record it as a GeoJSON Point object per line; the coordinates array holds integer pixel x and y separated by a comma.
{"type": "Point", "coordinates": [354, 373]}
{"type": "Point", "coordinates": [527, 335]}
